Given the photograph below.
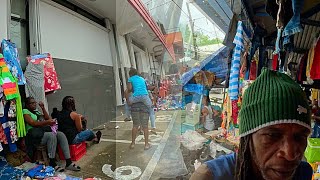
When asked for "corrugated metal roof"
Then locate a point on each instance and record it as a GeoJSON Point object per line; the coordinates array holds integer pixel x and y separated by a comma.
{"type": "Point", "coordinates": [304, 39]}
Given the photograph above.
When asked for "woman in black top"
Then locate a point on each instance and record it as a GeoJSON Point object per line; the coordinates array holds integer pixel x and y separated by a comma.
{"type": "Point", "coordinates": [70, 123]}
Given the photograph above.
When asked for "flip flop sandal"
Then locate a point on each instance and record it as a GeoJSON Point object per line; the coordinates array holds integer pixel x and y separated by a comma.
{"type": "Point", "coordinates": [153, 132]}
{"type": "Point", "coordinates": [98, 134]}
{"type": "Point", "coordinates": [131, 146]}
{"type": "Point", "coordinates": [147, 147]}
{"type": "Point", "coordinates": [73, 167]}
{"type": "Point", "coordinates": [58, 169]}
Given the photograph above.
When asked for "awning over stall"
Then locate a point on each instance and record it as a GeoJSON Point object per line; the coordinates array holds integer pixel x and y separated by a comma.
{"type": "Point", "coordinates": [216, 63]}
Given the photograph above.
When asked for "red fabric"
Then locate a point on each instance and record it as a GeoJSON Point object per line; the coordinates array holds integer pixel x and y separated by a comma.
{"type": "Point", "coordinates": [275, 62]}
{"type": "Point", "coordinates": [162, 92]}
{"type": "Point", "coordinates": [315, 69]}
{"type": "Point", "coordinates": [235, 111]}
{"type": "Point", "coordinates": [51, 82]}
{"type": "Point", "coordinates": [253, 70]}
{"type": "Point", "coordinates": [3, 137]}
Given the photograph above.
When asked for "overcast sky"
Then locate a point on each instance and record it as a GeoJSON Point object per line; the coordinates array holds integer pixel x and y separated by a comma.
{"type": "Point", "coordinates": [201, 22]}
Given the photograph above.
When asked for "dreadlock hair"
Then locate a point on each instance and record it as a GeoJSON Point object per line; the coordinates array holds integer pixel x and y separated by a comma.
{"type": "Point", "coordinates": [68, 103]}
{"type": "Point", "coordinates": [244, 159]}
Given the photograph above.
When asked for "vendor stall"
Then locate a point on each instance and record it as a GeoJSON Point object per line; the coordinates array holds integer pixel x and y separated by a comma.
{"type": "Point", "coordinates": [197, 84]}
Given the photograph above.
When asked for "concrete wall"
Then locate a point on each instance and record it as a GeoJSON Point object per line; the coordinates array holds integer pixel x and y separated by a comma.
{"type": "Point", "coordinates": [67, 36]}
{"type": "Point", "coordinates": [82, 55]}
{"type": "Point", "coordinates": [4, 17]}
{"type": "Point", "coordinates": [91, 85]}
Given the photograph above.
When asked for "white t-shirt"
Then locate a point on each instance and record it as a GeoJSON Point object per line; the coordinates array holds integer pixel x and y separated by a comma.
{"type": "Point", "coordinates": [209, 123]}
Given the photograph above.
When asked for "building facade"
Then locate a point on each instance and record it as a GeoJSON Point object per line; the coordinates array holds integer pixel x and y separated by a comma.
{"type": "Point", "coordinates": [94, 44]}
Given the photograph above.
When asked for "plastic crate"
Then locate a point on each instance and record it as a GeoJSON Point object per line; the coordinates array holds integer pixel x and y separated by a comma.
{"type": "Point", "coordinates": [312, 152]}
{"type": "Point", "coordinates": [77, 151]}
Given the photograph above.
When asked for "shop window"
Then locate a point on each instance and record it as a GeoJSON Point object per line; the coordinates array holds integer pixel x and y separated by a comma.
{"type": "Point", "coordinates": [19, 29]}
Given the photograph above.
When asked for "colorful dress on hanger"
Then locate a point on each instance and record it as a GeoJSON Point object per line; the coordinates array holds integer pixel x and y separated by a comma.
{"type": "Point", "coordinates": [11, 57]}
{"type": "Point", "coordinates": [35, 83]}
{"type": "Point", "coordinates": [235, 64]}
{"type": "Point", "coordinates": [6, 128]}
{"type": "Point", "coordinates": [51, 82]}
{"type": "Point", "coordinates": [7, 81]}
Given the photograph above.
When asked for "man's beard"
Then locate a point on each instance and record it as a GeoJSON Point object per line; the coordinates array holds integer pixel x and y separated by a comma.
{"type": "Point", "coordinates": [260, 171]}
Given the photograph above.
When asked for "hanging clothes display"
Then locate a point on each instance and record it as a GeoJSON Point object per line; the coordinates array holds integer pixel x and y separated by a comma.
{"type": "Point", "coordinates": [301, 74]}
{"type": "Point", "coordinates": [235, 64]}
{"type": "Point", "coordinates": [275, 62]}
{"type": "Point", "coordinates": [253, 70]}
{"type": "Point", "coordinates": [6, 127]}
{"type": "Point", "coordinates": [315, 69]}
{"type": "Point", "coordinates": [7, 81]}
{"type": "Point", "coordinates": [11, 56]}
{"type": "Point", "coordinates": [35, 83]}
{"type": "Point", "coordinates": [235, 111]}
{"type": "Point", "coordinates": [51, 82]}
{"type": "Point", "coordinates": [21, 128]}
{"type": "Point", "coordinates": [310, 60]}
{"type": "Point", "coordinates": [315, 94]}
{"type": "Point", "coordinates": [226, 113]}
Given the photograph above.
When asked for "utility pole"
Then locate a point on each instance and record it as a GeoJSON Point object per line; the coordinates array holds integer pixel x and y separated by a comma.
{"type": "Point", "coordinates": [192, 34]}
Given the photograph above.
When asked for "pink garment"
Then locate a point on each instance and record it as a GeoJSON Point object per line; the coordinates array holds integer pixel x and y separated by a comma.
{"type": "Point", "coordinates": [54, 128]}
{"type": "Point", "coordinates": [51, 82]}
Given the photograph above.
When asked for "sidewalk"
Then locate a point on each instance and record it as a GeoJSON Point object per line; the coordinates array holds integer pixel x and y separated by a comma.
{"type": "Point", "coordinates": [113, 151]}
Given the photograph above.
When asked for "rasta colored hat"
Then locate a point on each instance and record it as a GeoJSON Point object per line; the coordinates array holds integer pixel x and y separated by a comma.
{"type": "Point", "coordinates": [274, 98]}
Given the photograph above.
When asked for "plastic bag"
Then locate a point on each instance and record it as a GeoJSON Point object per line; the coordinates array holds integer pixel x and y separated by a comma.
{"type": "Point", "coordinates": [192, 140]}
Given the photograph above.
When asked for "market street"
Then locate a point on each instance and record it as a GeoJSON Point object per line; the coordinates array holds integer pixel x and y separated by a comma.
{"type": "Point", "coordinates": [161, 161]}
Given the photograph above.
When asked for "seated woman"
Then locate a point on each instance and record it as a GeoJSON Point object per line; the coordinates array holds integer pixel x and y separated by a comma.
{"type": "Point", "coordinates": [206, 115]}
{"type": "Point", "coordinates": [70, 123]}
{"type": "Point", "coordinates": [33, 127]}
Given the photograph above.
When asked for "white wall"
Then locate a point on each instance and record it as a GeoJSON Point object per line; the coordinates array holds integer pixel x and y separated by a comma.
{"type": "Point", "coordinates": [125, 58]}
{"type": "Point", "coordinates": [4, 15]}
{"type": "Point", "coordinates": [67, 36]}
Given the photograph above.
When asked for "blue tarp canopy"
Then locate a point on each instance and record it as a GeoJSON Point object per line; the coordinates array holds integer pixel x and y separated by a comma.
{"type": "Point", "coordinates": [216, 63]}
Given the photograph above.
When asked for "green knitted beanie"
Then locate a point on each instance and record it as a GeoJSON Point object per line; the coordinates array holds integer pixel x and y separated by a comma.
{"type": "Point", "coordinates": [274, 98]}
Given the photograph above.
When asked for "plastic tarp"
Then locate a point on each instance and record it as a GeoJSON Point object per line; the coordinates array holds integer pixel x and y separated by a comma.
{"type": "Point", "coordinates": [216, 63]}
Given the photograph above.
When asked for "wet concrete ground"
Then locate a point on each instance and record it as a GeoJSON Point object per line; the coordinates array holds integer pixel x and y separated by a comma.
{"type": "Point", "coordinates": [163, 161]}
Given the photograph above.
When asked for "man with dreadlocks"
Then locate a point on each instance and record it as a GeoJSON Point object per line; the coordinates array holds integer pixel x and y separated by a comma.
{"type": "Point", "coordinates": [274, 127]}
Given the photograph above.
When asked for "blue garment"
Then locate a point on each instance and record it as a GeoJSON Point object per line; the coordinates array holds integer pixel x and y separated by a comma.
{"type": "Point", "coordinates": [41, 171]}
{"type": "Point", "coordinates": [316, 127]}
{"type": "Point", "coordinates": [6, 128]}
{"type": "Point", "coordinates": [294, 25]}
{"type": "Point", "coordinates": [8, 172]}
{"type": "Point", "coordinates": [235, 63]}
{"type": "Point", "coordinates": [139, 86]}
{"type": "Point", "coordinates": [86, 135]}
{"type": "Point", "coordinates": [223, 168]}
{"type": "Point", "coordinates": [11, 56]}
